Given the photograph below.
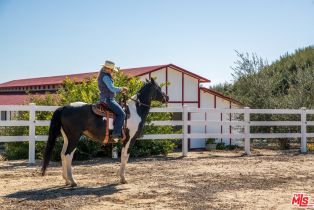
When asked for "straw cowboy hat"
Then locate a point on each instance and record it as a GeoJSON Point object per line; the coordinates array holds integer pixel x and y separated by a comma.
{"type": "Point", "coordinates": [110, 65]}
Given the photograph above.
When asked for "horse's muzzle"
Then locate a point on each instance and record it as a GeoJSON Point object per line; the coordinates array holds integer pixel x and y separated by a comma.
{"type": "Point", "coordinates": [165, 99]}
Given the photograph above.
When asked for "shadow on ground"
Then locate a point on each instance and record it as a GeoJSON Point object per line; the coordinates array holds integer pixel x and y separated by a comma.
{"type": "Point", "coordinates": [62, 192]}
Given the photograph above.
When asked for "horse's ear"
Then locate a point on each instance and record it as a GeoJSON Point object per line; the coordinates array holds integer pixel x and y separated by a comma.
{"type": "Point", "coordinates": [152, 80]}
{"type": "Point", "coordinates": [146, 80]}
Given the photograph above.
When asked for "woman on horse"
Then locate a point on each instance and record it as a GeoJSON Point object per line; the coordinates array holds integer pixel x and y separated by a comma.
{"type": "Point", "coordinates": [107, 93]}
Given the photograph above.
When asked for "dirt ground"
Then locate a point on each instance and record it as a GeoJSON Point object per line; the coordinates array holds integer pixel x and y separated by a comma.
{"type": "Point", "coordinates": [204, 180]}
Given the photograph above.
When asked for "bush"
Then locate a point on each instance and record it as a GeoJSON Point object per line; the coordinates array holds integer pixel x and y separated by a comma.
{"type": "Point", "coordinates": [220, 146]}
{"type": "Point", "coordinates": [144, 148]}
{"type": "Point", "coordinates": [231, 147]}
{"type": "Point", "coordinates": [310, 147]}
{"type": "Point", "coordinates": [16, 150]}
{"type": "Point", "coordinates": [210, 141]}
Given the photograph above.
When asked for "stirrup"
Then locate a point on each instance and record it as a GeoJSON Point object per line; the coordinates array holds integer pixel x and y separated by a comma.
{"type": "Point", "coordinates": [116, 140]}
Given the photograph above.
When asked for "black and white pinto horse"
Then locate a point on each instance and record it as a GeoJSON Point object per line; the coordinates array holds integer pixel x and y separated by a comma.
{"type": "Point", "coordinates": [72, 121]}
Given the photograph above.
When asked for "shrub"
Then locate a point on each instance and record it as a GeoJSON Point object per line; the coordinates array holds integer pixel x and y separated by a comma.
{"type": "Point", "coordinates": [310, 147]}
{"type": "Point", "coordinates": [144, 148]}
{"type": "Point", "coordinates": [231, 147]}
{"type": "Point", "coordinates": [210, 141]}
{"type": "Point", "coordinates": [16, 150]}
{"type": "Point", "coordinates": [220, 146]}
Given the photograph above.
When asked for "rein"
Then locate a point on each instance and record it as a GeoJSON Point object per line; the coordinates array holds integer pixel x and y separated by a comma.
{"type": "Point", "coordinates": [137, 101]}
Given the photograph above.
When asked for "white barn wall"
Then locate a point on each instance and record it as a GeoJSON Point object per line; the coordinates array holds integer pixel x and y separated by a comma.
{"type": "Point", "coordinates": [208, 101]}
{"type": "Point", "coordinates": [174, 105]}
{"type": "Point", "coordinates": [175, 87]}
{"type": "Point", "coordinates": [190, 88]}
{"type": "Point", "coordinates": [224, 104]}
{"type": "Point", "coordinates": [144, 77]}
{"type": "Point", "coordinates": [197, 143]}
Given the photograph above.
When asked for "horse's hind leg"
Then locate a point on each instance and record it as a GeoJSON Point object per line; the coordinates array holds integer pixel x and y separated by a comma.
{"type": "Point", "coordinates": [68, 159]}
{"type": "Point", "coordinates": [63, 158]}
{"type": "Point", "coordinates": [72, 142]}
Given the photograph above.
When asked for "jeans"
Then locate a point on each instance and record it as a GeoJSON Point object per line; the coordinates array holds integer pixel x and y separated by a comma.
{"type": "Point", "coordinates": [120, 116]}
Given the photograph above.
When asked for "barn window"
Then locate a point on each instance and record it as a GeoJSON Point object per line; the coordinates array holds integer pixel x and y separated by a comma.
{"type": "Point", "coordinates": [3, 115]}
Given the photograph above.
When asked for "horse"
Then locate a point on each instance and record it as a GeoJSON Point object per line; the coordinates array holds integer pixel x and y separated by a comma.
{"type": "Point", "coordinates": [74, 121]}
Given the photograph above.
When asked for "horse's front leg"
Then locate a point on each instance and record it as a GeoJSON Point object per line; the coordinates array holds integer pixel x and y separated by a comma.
{"type": "Point", "coordinates": [125, 154]}
{"type": "Point", "coordinates": [124, 159]}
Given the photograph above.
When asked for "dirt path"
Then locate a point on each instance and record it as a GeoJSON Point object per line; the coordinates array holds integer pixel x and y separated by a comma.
{"type": "Point", "coordinates": [204, 180]}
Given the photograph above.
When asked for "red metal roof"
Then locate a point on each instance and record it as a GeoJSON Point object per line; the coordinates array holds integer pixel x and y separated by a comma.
{"type": "Point", "coordinates": [139, 71]}
{"type": "Point", "coordinates": [17, 99]}
{"type": "Point", "coordinates": [55, 80]}
{"type": "Point", "coordinates": [202, 79]}
{"type": "Point", "coordinates": [220, 95]}
{"type": "Point", "coordinates": [148, 69]}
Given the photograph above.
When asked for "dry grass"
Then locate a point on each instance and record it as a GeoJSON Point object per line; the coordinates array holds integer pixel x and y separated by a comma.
{"type": "Point", "coordinates": [204, 180]}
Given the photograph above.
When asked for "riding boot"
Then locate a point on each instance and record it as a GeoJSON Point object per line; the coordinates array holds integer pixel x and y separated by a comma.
{"type": "Point", "coordinates": [115, 138]}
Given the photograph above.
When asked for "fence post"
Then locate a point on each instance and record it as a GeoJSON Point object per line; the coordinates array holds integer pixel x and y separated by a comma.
{"type": "Point", "coordinates": [31, 140]}
{"type": "Point", "coordinates": [247, 130]}
{"type": "Point", "coordinates": [185, 131]}
{"type": "Point", "coordinates": [114, 152]}
{"type": "Point", "coordinates": [303, 130]}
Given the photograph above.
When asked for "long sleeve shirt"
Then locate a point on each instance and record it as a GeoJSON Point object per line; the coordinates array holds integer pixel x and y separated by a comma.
{"type": "Point", "coordinates": [109, 83]}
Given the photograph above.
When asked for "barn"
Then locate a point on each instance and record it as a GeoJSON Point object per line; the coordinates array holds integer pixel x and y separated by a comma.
{"type": "Point", "coordinates": [184, 88]}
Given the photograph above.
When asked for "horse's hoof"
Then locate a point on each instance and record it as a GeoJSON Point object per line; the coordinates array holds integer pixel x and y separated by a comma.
{"type": "Point", "coordinates": [67, 183]}
{"type": "Point", "coordinates": [124, 181]}
{"type": "Point", "coordinates": [73, 184]}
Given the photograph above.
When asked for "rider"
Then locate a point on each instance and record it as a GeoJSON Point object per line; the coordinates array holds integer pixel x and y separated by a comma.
{"type": "Point", "coordinates": [107, 93]}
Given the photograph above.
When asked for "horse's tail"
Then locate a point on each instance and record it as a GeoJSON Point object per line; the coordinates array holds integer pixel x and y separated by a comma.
{"type": "Point", "coordinates": [54, 132]}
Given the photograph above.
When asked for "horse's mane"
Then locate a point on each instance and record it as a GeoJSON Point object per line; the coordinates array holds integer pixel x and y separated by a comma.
{"type": "Point", "coordinates": [145, 88]}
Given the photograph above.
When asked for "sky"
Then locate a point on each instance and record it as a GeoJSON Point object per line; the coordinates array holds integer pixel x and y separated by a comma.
{"type": "Point", "coordinates": [47, 38]}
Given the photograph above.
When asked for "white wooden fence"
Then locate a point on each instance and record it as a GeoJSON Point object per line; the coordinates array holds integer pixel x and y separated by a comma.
{"type": "Point", "coordinates": [185, 123]}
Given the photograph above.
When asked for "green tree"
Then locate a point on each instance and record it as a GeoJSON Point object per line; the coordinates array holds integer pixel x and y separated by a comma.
{"type": "Point", "coordinates": [286, 83]}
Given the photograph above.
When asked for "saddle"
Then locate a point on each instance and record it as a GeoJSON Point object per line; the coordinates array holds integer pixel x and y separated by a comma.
{"type": "Point", "coordinates": [102, 109]}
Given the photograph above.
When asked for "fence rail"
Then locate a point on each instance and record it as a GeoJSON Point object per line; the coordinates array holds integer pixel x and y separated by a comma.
{"type": "Point", "coordinates": [246, 123]}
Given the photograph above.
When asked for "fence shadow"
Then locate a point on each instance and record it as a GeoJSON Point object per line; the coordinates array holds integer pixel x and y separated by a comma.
{"type": "Point", "coordinates": [63, 192]}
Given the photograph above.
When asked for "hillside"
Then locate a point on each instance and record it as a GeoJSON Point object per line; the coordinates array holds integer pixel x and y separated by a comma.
{"type": "Point", "coordinates": [286, 83]}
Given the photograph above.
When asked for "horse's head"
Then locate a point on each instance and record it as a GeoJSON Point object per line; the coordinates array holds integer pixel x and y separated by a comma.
{"type": "Point", "coordinates": [158, 94]}
{"type": "Point", "coordinates": [154, 91]}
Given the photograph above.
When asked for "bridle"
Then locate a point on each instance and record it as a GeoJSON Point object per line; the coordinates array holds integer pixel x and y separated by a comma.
{"type": "Point", "coordinates": [138, 101]}
{"type": "Point", "coordinates": [125, 97]}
